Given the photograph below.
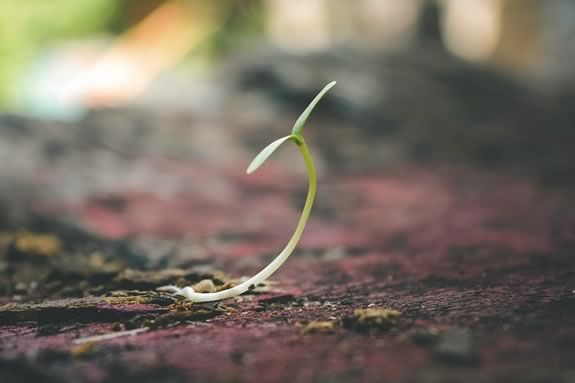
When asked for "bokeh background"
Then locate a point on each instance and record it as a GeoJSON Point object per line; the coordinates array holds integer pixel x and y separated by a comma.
{"type": "Point", "coordinates": [92, 93]}
{"type": "Point", "coordinates": [446, 174]}
{"type": "Point", "coordinates": [63, 57]}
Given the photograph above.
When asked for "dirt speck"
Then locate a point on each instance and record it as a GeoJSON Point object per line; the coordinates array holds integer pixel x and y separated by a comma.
{"type": "Point", "coordinates": [426, 336]}
{"type": "Point", "coordinates": [82, 349]}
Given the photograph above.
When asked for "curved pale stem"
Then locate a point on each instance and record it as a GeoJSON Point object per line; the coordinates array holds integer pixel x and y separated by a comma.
{"type": "Point", "coordinates": [251, 283]}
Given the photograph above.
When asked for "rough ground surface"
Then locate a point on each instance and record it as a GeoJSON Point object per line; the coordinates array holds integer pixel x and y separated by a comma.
{"type": "Point", "coordinates": [479, 263]}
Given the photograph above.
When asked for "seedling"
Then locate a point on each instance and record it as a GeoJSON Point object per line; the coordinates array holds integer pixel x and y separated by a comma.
{"type": "Point", "coordinates": [297, 138]}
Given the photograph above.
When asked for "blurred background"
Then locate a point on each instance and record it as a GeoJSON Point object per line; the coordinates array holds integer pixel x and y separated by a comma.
{"type": "Point", "coordinates": [62, 58]}
{"type": "Point", "coordinates": [133, 119]}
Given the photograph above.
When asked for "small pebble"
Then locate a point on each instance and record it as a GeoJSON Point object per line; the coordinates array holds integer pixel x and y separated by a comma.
{"type": "Point", "coordinates": [205, 286]}
{"type": "Point", "coordinates": [456, 348]}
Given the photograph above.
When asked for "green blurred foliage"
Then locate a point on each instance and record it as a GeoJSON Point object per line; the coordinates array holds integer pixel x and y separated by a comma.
{"type": "Point", "coordinates": [241, 22]}
{"type": "Point", "coordinates": [28, 26]}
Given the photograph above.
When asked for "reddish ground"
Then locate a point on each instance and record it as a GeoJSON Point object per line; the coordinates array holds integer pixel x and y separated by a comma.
{"type": "Point", "coordinates": [480, 266]}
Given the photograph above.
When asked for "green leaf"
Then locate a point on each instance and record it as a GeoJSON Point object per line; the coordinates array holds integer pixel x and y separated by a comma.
{"type": "Point", "coordinates": [265, 153]}
{"type": "Point", "coordinates": [298, 126]}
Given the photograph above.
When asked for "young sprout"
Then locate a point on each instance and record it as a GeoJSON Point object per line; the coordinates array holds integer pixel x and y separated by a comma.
{"type": "Point", "coordinates": [297, 138]}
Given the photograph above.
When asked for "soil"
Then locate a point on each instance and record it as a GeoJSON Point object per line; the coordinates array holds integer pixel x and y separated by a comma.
{"type": "Point", "coordinates": [412, 271]}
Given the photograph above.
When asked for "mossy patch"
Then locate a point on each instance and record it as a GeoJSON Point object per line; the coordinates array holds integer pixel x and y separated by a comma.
{"type": "Point", "coordinates": [319, 327]}
{"type": "Point", "coordinates": [183, 312]}
{"type": "Point", "coordinates": [373, 320]}
{"type": "Point", "coordinates": [34, 245]}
